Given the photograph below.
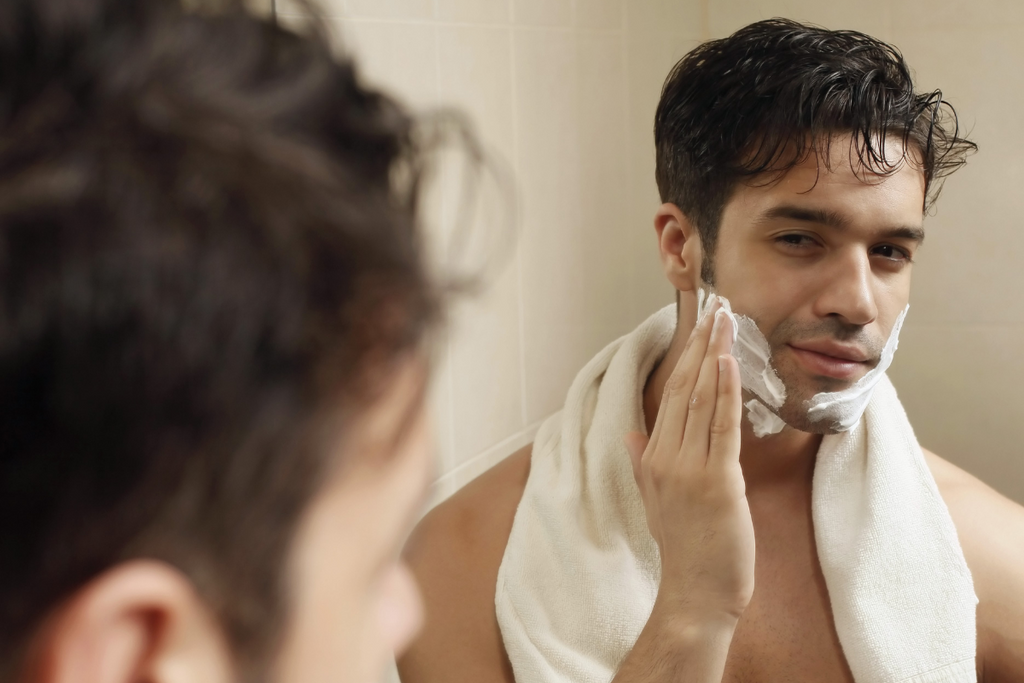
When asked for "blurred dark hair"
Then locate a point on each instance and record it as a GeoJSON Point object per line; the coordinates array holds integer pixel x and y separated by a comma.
{"type": "Point", "coordinates": [208, 244]}
{"type": "Point", "coordinates": [761, 100]}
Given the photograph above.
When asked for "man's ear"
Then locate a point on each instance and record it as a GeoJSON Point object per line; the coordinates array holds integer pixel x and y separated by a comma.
{"type": "Point", "coordinates": [139, 622]}
{"type": "Point", "coordinates": [679, 247]}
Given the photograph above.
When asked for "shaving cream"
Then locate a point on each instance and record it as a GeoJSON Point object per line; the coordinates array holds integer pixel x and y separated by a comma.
{"type": "Point", "coordinates": [841, 409]}
{"type": "Point", "coordinates": [764, 421]}
{"type": "Point", "coordinates": [752, 353]}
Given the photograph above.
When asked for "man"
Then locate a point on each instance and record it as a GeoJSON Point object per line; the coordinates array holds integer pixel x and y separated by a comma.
{"type": "Point", "coordinates": [795, 165]}
{"type": "Point", "coordinates": [213, 307]}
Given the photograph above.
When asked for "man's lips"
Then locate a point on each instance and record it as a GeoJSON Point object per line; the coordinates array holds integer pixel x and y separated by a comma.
{"type": "Point", "coordinates": [831, 359]}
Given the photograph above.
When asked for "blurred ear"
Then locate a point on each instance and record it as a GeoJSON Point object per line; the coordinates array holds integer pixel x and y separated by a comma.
{"type": "Point", "coordinates": [140, 622]}
{"type": "Point", "coordinates": [679, 247]}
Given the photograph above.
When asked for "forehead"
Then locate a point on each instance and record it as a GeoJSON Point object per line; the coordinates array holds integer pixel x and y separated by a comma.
{"type": "Point", "coordinates": [838, 183]}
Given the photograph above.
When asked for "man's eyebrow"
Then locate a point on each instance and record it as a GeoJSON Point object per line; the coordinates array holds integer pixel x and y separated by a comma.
{"type": "Point", "coordinates": [914, 234]}
{"type": "Point", "coordinates": [834, 219]}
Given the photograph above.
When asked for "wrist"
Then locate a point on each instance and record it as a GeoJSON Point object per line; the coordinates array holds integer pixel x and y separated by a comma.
{"type": "Point", "coordinates": [681, 643]}
{"type": "Point", "coordinates": [720, 602]}
{"type": "Point", "coordinates": [689, 621]}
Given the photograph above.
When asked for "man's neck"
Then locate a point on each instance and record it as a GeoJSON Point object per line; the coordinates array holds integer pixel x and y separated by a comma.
{"type": "Point", "coordinates": [778, 458]}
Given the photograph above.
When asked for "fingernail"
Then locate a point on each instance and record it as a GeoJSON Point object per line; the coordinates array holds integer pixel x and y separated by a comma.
{"type": "Point", "coordinates": [731, 322]}
{"type": "Point", "coordinates": [721, 363]}
{"type": "Point", "coordinates": [717, 329]}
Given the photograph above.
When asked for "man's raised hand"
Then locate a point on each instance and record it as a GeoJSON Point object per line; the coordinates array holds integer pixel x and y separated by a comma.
{"type": "Point", "coordinates": [693, 491]}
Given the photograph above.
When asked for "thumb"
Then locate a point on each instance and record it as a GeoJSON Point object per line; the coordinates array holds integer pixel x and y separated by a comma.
{"type": "Point", "coordinates": [636, 444]}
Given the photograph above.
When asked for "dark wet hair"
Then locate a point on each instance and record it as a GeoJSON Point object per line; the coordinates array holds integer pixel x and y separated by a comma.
{"type": "Point", "coordinates": [759, 101]}
{"type": "Point", "coordinates": [208, 248]}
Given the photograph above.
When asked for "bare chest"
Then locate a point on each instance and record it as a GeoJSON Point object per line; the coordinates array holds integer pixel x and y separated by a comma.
{"type": "Point", "coordinates": [787, 633]}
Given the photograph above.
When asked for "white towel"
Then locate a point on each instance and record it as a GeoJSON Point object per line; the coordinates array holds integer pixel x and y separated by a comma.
{"type": "Point", "coordinates": [581, 571]}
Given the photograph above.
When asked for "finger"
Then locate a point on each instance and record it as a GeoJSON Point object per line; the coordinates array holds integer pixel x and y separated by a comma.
{"type": "Point", "coordinates": [671, 418]}
{"type": "Point", "coordinates": [724, 445]}
{"type": "Point", "coordinates": [636, 444]}
{"type": "Point", "coordinates": [696, 437]}
{"type": "Point", "coordinates": [706, 321]}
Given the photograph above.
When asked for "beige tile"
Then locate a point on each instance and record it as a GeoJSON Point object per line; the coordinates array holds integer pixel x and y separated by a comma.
{"type": "Point", "coordinates": [542, 12]}
{"type": "Point", "coordinates": [659, 34]}
{"type": "Point", "coordinates": [671, 21]}
{"type": "Point", "coordinates": [552, 235]}
{"type": "Point", "coordinates": [486, 366]}
{"type": "Point", "coordinates": [439, 398]}
{"type": "Point", "coordinates": [919, 14]}
{"type": "Point", "coordinates": [604, 187]}
{"type": "Point", "coordinates": [325, 8]}
{"type": "Point", "coordinates": [961, 387]}
{"type": "Point", "coordinates": [391, 9]}
{"type": "Point", "coordinates": [969, 270]}
{"type": "Point", "coordinates": [649, 290]}
{"type": "Point", "coordinates": [869, 16]}
{"type": "Point", "coordinates": [400, 58]}
{"type": "Point", "coordinates": [976, 68]}
{"type": "Point", "coordinates": [651, 57]}
{"type": "Point", "coordinates": [472, 238]}
{"type": "Point", "coordinates": [434, 220]}
{"type": "Point", "coordinates": [600, 14]}
{"type": "Point", "coordinates": [484, 461]}
{"type": "Point", "coordinates": [475, 74]}
{"type": "Point", "coordinates": [474, 11]}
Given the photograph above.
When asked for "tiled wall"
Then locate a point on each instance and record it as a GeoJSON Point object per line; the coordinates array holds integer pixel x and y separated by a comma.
{"type": "Point", "coordinates": [565, 90]}
{"type": "Point", "coordinates": [963, 367]}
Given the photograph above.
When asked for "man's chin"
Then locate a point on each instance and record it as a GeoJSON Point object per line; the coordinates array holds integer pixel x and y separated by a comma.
{"type": "Point", "coordinates": [794, 414]}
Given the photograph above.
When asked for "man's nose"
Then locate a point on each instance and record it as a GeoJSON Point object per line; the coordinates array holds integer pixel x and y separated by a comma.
{"type": "Point", "coordinates": [847, 290]}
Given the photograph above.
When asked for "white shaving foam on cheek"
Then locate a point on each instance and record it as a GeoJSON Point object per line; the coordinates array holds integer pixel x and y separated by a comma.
{"type": "Point", "coordinates": [843, 409]}
{"type": "Point", "coordinates": [764, 421]}
{"type": "Point", "coordinates": [753, 355]}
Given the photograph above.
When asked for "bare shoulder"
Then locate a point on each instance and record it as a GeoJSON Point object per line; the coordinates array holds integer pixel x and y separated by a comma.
{"type": "Point", "coordinates": [988, 516]}
{"type": "Point", "coordinates": [455, 553]}
{"type": "Point", "coordinates": [991, 531]}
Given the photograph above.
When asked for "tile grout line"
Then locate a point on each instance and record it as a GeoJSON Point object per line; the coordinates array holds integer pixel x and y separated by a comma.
{"type": "Point", "coordinates": [630, 170]}
{"type": "Point", "coordinates": [520, 300]}
{"type": "Point", "coordinates": [449, 458]}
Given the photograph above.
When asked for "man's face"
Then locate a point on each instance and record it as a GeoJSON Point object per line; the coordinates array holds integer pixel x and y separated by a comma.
{"type": "Point", "coordinates": [354, 604]}
{"type": "Point", "coordinates": [821, 260]}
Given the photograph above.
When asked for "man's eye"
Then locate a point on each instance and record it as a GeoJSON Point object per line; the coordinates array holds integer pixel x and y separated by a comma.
{"type": "Point", "coordinates": [890, 252]}
{"type": "Point", "coordinates": [795, 240]}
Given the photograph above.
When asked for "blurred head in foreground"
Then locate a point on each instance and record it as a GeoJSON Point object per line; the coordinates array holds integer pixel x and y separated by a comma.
{"type": "Point", "coordinates": [213, 314]}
